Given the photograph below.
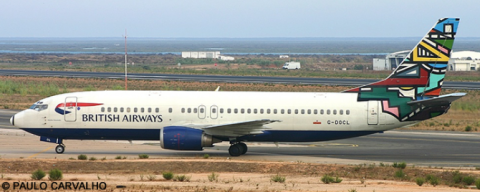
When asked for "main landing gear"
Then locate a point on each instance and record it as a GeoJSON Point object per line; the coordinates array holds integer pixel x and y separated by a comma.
{"type": "Point", "coordinates": [60, 148]}
{"type": "Point", "coordinates": [237, 149]}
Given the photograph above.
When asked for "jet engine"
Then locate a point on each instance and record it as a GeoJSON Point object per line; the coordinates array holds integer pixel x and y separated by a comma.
{"type": "Point", "coordinates": [185, 138]}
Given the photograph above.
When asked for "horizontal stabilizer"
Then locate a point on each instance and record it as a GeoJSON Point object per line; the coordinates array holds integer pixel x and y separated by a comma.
{"type": "Point", "coordinates": [440, 100]}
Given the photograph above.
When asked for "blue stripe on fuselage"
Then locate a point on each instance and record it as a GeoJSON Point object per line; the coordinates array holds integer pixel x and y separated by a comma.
{"type": "Point", "coordinates": [154, 134]}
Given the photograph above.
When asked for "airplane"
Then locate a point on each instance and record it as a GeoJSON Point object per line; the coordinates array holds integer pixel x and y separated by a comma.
{"type": "Point", "coordinates": [192, 120]}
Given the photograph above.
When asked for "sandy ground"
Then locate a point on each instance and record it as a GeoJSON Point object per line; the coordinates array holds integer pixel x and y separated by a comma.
{"type": "Point", "coordinates": [146, 174]}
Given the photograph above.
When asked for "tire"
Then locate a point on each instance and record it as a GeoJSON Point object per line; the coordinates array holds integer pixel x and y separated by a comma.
{"type": "Point", "coordinates": [244, 148]}
{"type": "Point", "coordinates": [60, 149]}
{"type": "Point", "coordinates": [235, 150]}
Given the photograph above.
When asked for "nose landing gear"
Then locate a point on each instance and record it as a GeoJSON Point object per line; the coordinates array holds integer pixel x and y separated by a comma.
{"type": "Point", "coordinates": [60, 148]}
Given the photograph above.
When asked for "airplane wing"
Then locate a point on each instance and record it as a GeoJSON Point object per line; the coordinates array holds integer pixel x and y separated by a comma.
{"type": "Point", "coordinates": [440, 100]}
{"type": "Point", "coordinates": [239, 128]}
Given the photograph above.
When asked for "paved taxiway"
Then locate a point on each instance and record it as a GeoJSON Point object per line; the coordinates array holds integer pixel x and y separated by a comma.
{"type": "Point", "coordinates": [442, 149]}
{"type": "Point", "coordinates": [222, 78]}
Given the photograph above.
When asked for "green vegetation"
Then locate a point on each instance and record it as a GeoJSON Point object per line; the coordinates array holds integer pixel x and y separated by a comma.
{"type": "Point", "coordinates": [143, 156]}
{"type": "Point", "coordinates": [400, 174]}
{"type": "Point", "coordinates": [82, 157]}
{"type": "Point", "coordinates": [328, 179]}
{"type": "Point", "coordinates": [93, 158]}
{"type": "Point", "coordinates": [401, 165]}
{"type": "Point", "coordinates": [206, 156]}
{"type": "Point", "coordinates": [213, 177]}
{"type": "Point", "coordinates": [31, 88]}
{"type": "Point", "coordinates": [477, 183]}
{"type": "Point", "coordinates": [181, 178]}
{"type": "Point", "coordinates": [167, 175]}
{"type": "Point", "coordinates": [118, 157]}
{"type": "Point", "coordinates": [55, 174]}
{"type": "Point", "coordinates": [38, 174]}
{"type": "Point", "coordinates": [278, 178]}
{"type": "Point", "coordinates": [432, 179]}
{"type": "Point", "coordinates": [419, 181]}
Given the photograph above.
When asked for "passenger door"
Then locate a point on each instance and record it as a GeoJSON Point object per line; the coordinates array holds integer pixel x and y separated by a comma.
{"type": "Point", "coordinates": [70, 109]}
{"type": "Point", "coordinates": [372, 114]}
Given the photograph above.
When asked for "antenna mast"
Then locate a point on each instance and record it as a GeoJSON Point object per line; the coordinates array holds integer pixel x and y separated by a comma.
{"type": "Point", "coordinates": [125, 59]}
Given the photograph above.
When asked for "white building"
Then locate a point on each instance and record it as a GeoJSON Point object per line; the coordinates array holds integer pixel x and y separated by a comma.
{"type": "Point", "coordinates": [201, 54]}
{"type": "Point", "coordinates": [226, 58]}
{"type": "Point", "coordinates": [283, 56]}
{"type": "Point", "coordinates": [390, 62]}
{"type": "Point", "coordinates": [464, 61]}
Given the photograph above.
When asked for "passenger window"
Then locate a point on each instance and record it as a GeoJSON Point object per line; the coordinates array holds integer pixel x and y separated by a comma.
{"type": "Point", "coordinates": [170, 110]}
{"type": "Point", "coordinates": [157, 110]}
{"type": "Point", "coordinates": [303, 111]}
{"type": "Point", "coordinates": [202, 110]}
{"type": "Point", "coordinates": [268, 111]}
{"type": "Point", "coordinates": [282, 111]}
{"type": "Point", "coordinates": [347, 112]}
{"type": "Point", "coordinates": [214, 110]}
{"type": "Point", "coordinates": [221, 110]}
{"type": "Point", "coordinates": [328, 111]}
{"type": "Point", "coordinates": [309, 111]}
{"type": "Point", "coordinates": [142, 110]}
{"type": "Point", "coordinates": [275, 111]}
{"type": "Point", "coordinates": [229, 110]}
{"type": "Point", "coordinates": [334, 111]}
{"type": "Point", "coordinates": [103, 109]}
{"type": "Point", "coordinates": [195, 110]}
{"type": "Point", "coordinates": [149, 110]}
{"type": "Point", "coordinates": [109, 109]}
{"type": "Point", "coordinates": [128, 110]}
{"type": "Point", "coordinates": [296, 111]}
{"type": "Point", "coordinates": [321, 111]}
{"type": "Point", "coordinates": [249, 111]}
{"type": "Point", "coordinates": [135, 110]}
{"type": "Point", "coordinates": [261, 111]}
{"type": "Point", "coordinates": [189, 110]}
{"type": "Point", "coordinates": [255, 111]}
{"type": "Point", "coordinates": [183, 110]}
{"type": "Point", "coordinates": [115, 109]}
{"type": "Point", "coordinates": [121, 109]}
{"type": "Point", "coordinates": [315, 111]}
{"type": "Point", "coordinates": [341, 111]}
{"type": "Point", "coordinates": [289, 111]}
{"type": "Point", "coordinates": [242, 111]}
{"type": "Point", "coordinates": [235, 110]}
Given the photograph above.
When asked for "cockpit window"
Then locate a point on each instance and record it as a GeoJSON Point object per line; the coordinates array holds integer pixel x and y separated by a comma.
{"type": "Point", "coordinates": [39, 107]}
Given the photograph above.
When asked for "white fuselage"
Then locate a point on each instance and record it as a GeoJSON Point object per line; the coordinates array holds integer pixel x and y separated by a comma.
{"type": "Point", "coordinates": [152, 110]}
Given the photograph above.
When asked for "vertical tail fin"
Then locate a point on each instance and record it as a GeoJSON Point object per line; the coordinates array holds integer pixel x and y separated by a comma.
{"type": "Point", "coordinates": [419, 76]}
{"type": "Point", "coordinates": [423, 70]}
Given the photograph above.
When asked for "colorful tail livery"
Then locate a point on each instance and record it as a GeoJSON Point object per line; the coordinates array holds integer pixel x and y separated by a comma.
{"type": "Point", "coordinates": [418, 78]}
{"type": "Point", "coordinates": [70, 105]}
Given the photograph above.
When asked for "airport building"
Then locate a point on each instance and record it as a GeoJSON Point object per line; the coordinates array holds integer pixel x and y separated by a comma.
{"type": "Point", "coordinates": [390, 62]}
{"type": "Point", "coordinates": [459, 61]}
{"type": "Point", "coordinates": [464, 61]}
{"type": "Point", "coordinates": [204, 55]}
{"type": "Point", "coordinates": [201, 54]}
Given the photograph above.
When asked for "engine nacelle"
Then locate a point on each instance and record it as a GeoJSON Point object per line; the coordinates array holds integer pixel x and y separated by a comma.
{"type": "Point", "coordinates": [185, 138]}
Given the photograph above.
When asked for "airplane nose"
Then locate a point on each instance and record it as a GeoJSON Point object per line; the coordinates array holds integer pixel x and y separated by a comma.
{"type": "Point", "coordinates": [12, 120]}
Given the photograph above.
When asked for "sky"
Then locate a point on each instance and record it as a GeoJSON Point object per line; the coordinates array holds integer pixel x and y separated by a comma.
{"type": "Point", "coordinates": [233, 18]}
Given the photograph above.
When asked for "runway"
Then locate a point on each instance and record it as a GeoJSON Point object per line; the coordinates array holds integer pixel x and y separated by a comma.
{"type": "Point", "coordinates": [222, 78]}
{"type": "Point", "coordinates": [421, 148]}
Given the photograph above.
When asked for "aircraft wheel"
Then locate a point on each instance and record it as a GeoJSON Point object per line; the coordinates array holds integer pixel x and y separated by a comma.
{"type": "Point", "coordinates": [244, 147]}
{"type": "Point", "coordinates": [235, 150]}
{"type": "Point", "coordinates": [60, 149]}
